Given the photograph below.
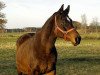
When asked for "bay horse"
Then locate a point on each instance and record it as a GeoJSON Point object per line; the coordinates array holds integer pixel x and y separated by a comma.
{"type": "Point", "coordinates": [36, 53]}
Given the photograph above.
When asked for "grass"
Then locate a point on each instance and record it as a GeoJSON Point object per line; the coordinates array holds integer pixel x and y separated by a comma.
{"type": "Point", "coordinates": [83, 59]}
{"type": "Point", "coordinates": [90, 35]}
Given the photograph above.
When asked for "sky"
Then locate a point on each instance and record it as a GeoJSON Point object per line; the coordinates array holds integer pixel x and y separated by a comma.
{"type": "Point", "coordinates": [34, 13]}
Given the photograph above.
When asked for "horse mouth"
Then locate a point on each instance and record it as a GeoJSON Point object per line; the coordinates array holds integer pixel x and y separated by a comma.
{"type": "Point", "coordinates": [75, 44]}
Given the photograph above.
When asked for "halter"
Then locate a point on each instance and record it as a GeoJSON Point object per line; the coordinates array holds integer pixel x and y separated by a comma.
{"type": "Point", "coordinates": [62, 31]}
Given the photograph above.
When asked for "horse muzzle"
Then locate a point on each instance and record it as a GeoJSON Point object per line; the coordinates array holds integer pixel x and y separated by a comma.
{"type": "Point", "coordinates": [77, 40]}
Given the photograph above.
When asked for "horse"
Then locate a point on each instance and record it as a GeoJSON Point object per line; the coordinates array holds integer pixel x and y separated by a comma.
{"type": "Point", "coordinates": [36, 54]}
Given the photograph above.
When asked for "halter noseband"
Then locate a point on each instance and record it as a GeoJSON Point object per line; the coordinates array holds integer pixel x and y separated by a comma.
{"type": "Point", "coordinates": [64, 32]}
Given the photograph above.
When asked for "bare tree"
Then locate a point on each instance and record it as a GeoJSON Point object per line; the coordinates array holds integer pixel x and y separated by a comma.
{"type": "Point", "coordinates": [3, 21]}
{"type": "Point", "coordinates": [84, 23]}
{"type": "Point", "coordinates": [95, 24]}
{"type": "Point", "coordinates": [2, 5]}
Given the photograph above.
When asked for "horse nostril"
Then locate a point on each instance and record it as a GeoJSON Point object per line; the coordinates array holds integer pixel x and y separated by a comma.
{"type": "Point", "coordinates": [78, 39]}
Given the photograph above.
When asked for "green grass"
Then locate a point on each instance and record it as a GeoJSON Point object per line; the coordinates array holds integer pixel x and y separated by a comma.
{"type": "Point", "coordinates": [80, 60]}
{"type": "Point", "coordinates": [83, 59]}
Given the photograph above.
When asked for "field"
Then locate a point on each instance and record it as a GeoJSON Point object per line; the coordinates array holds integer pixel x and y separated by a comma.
{"type": "Point", "coordinates": [83, 59]}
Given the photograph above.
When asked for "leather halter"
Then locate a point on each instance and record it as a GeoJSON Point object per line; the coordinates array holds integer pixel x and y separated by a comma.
{"type": "Point", "coordinates": [62, 31]}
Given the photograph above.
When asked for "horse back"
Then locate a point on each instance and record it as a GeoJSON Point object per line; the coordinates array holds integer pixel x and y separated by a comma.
{"type": "Point", "coordinates": [23, 38]}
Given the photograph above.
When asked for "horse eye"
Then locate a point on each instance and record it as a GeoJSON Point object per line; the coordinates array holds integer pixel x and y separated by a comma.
{"type": "Point", "coordinates": [61, 23]}
{"type": "Point", "coordinates": [64, 28]}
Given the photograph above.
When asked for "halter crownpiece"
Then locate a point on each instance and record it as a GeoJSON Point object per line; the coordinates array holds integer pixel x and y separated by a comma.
{"type": "Point", "coordinates": [64, 32]}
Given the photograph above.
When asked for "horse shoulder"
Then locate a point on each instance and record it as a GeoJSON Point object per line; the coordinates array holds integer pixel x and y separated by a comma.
{"type": "Point", "coordinates": [25, 56]}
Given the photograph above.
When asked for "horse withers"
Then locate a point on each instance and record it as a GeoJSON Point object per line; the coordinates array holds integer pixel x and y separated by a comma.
{"type": "Point", "coordinates": [36, 53]}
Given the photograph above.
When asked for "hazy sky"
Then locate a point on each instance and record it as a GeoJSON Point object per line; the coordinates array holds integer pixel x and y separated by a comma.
{"type": "Point", "coordinates": [29, 13]}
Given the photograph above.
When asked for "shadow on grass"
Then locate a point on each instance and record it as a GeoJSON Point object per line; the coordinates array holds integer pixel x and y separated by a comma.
{"type": "Point", "coordinates": [78, 66]}
{"type": "Point", "coordinates": [80, 59]}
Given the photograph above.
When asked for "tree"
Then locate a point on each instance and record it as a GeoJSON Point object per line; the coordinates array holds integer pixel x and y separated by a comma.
{"type": "Point", "coordinates": [84, 23]}
{"type": "Point", "coordinates": [94, 24]}
{"type": "Point", "coordinates": [3, 21]}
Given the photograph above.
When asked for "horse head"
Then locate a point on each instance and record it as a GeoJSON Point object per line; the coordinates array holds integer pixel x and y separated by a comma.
{"type": "Point", "coordinates": [64, 26]}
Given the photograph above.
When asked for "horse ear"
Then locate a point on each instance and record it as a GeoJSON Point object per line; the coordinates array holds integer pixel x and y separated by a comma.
{"type": "Point", "coordinates": [61, 8]}
{"type": "Point", "coordinates": [66, 11]}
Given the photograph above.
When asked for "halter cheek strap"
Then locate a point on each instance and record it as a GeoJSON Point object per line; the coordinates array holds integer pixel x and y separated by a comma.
{"type": "Point", "coordinates": [64, 32]}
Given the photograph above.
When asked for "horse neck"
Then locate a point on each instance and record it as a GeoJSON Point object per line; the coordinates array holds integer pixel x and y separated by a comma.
{"type": "Point", "coordinates": [48, 37]}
